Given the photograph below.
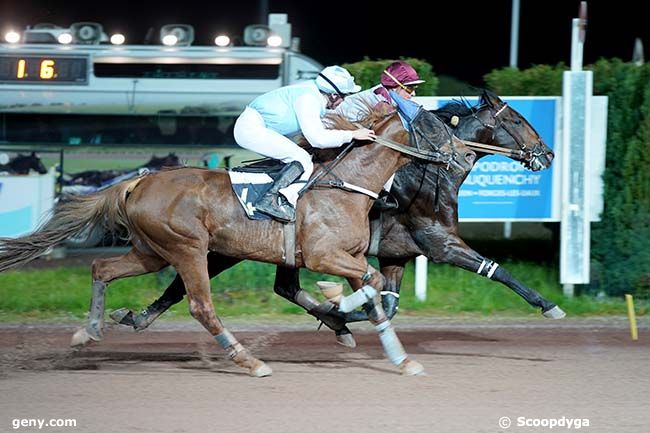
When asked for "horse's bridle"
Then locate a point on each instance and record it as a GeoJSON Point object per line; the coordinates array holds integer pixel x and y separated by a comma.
{"type": "Point", "coordinates": [525, 154]}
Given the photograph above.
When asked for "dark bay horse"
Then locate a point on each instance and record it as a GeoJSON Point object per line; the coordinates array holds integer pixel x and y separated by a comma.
{"type": "Point", "coordinates": [24, 164]}
{"type": "Point", "coordinates": [426, 221]}
{"type": "Point", "coordinates": [176, 217]}
{"type": "Point", "coordinates": [98, 178]}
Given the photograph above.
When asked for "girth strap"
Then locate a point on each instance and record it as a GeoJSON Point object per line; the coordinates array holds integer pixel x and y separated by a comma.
{"type": "Point", "coordinates": [375, 235]}
{"type": "Point", "coordinates": [289, 244]}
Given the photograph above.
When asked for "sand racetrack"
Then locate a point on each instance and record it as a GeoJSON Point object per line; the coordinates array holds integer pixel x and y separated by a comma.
{"type": "Point", "coordinates": [173, 378]}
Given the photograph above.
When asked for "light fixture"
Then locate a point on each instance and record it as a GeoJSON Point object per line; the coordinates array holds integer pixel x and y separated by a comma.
{"type": "Point", "coordinates": [256, 35]}
{"type": "Point", "coordinates": [64, 38]}
{"type": "Point", "coordinates": [12, 37]}
{"type": "Point", "coordinates": [117, 39]}
{"type": "Point", "coordinates": [169, 40]}
{"type": "Point", "coordinates": [88, 33]}
{"type": "Point", "coordinates": [274, 41]}
{"type": "Point", "coordinates": [183, 34]}
{"type": "Point", "coordinates": [222, 41]}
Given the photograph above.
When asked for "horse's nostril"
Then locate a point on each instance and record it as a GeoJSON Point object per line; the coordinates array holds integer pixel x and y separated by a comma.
{"type": "Point", "coordinates": [470, 157]}
{"type": "Point", "coordinates": [550, 156]}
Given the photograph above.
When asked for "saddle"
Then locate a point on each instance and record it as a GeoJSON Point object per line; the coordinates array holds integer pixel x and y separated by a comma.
{"type": "Point", "coordinates": [270, 166]}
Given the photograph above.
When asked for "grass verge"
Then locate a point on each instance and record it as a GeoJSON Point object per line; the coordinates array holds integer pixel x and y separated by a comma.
{"type": "Point", "coordinates": [246, 289]}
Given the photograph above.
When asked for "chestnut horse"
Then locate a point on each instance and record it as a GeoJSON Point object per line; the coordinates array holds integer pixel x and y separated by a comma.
{"type": "Point", "coordinates": [426, 221]}
{"type": "Point", "coordinates": [176, 217]}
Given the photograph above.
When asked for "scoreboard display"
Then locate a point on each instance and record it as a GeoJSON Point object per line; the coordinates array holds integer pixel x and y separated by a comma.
{"type": "Point", "coordinates": [43, 69]}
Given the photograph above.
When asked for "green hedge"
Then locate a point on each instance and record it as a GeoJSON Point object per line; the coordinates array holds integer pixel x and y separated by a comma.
{"type": "Point", "coordinates": [621, 241]}
{"type": "Point", "coordinates": [367, 73]}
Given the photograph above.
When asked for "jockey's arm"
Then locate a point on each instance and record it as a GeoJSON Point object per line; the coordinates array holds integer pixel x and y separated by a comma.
{"type": "Point", "coordinates": [308, 109]}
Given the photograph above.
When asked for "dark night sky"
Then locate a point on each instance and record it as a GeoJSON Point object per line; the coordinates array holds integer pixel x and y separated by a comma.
{"type": "Point", "coordinates": [465, 43]}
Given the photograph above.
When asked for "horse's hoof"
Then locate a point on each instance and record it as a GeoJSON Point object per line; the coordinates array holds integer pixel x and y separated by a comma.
{"type": "Point", "coordinates": [82, 338]}
{"type": "Point", "coordinates": [262, 370]}
{"type": "Point", "coordinates": [411, 368]}
{"type": "Point", "coordinates": [554, 313]}
{"type": "Point", "coordinates": [123, 316]}
{"type": "Point", "coordinates": [346, 340]}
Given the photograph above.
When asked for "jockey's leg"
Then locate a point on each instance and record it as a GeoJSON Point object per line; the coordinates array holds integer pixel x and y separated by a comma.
{"type": "Point", "coordinates": [104, 271]}
{"type": "Point", "coordinates": [271, 203]}
{"type": "Point", "coordinates": [251, 133]}
{"type": "Point", "coordinates": [385, 201]}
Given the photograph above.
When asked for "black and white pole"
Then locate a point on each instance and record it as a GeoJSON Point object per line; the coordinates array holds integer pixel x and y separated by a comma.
{"type": "Point", "coordinates": [576, 136]}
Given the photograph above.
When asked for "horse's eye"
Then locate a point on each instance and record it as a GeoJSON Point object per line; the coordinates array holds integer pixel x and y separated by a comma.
{"type": "Point", "coordinates": [517, 122]}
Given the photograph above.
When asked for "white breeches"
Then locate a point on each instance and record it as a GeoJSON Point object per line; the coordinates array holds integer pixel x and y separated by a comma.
{"type": "Point", "coordinates": [251, 133]}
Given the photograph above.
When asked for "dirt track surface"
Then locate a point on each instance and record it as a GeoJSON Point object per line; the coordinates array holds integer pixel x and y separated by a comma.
{"type": "Point", "coordinates": [174, 378]}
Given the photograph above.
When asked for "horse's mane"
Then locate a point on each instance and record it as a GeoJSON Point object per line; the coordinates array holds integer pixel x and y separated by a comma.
{"type": "Point", "coordinates": [368, 116]}
{"type": "Point", "coordinates": [462, 107]}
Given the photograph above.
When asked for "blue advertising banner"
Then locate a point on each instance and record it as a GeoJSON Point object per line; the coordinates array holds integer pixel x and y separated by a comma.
{"type": "Point", "coordinates": [502, 189]}
{"type": "Point", "coordinates": [23, 201]}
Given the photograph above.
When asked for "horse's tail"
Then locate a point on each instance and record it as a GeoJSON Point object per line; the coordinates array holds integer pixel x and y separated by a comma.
{"type": "Point", "coordinates": [70, 217]}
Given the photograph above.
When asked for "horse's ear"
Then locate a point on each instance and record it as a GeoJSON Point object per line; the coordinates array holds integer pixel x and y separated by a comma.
{"type": "Point", "coordinates": [490, 98]}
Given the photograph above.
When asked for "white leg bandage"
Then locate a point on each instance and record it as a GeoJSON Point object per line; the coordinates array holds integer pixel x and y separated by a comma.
{"type": "Point", "coordinates": [357, 299]}
{"type": "Point", "coordinates": [392, 346]}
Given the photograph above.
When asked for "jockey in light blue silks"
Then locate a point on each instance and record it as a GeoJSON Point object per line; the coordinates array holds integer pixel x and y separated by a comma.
{"type": "Point", "coordinates": [269, 119]}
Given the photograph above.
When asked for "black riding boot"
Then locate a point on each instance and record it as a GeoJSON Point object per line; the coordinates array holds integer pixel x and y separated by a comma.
{"type": "Point", "coordinates": [273, 203]}
{"type": "Point", "coordinates": [384, 202]}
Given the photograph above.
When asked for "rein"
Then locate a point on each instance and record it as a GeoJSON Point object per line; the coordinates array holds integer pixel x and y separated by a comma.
{"type": "Point", "coordinates": [427, 156]}
{"type": "Point", "coordinates": [408, 150]}
{"type": "Point", "coordinates": [494, 150]}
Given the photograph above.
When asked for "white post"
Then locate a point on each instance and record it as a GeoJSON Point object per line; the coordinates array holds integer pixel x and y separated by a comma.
{"type": "Point", "coordinates": [577, 45]}
{"type": "Point", "coordinates": [507, 229]}
{"type": "Point", "coordinates": [421, 278]}
{"type": "Point", "coordinates": [576, 136]}
{"type": "Point", "coordinates": [514, 34]}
